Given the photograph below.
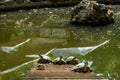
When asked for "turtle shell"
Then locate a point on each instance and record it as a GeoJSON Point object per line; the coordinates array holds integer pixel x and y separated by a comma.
{"type": "Point", "coordinates": [44, 59]}
{"type": "Point", "coordinates": [81, 67]}
{"type": "Point", "coordinates": [72, 60]}
{"type": "Point", "coordinates": [40, 67]}
{"type": "Point", "coordinates": [59, 61]}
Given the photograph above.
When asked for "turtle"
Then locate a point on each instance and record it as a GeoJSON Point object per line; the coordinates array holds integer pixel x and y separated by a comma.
{"type": "Point", "coordinates": [40, 67]}
{"type": "Point", "coordinates": [82, 67]}
{"type": "Point", "coordinates": [72, 60]}
{"type": "Point", "coordinates": [59, 61]}
{"type": "Point", "coordinates": [44, 59]}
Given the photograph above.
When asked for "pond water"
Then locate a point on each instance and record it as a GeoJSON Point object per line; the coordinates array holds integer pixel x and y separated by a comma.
{"type": "Point", "coordinates": [49, 28]}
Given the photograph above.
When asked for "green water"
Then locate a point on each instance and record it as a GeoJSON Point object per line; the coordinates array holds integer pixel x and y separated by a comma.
{"type": "Point", "coordinates": [50, 28]}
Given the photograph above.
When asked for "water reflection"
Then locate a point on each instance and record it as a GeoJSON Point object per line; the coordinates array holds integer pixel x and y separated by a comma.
{"type": "Point", "coordinates": [5, 33]}
{"type": "Point", "coordinates": [0, 77]}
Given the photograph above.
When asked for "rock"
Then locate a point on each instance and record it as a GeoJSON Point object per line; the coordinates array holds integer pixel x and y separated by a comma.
{"type": "Point", "coordinates": [89, 12]}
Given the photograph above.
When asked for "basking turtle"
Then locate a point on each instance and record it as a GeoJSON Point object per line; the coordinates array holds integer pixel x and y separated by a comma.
{"type": "Point", "coordinates": [40, 67]}
{"type": "Point", "coordinates": [82, 67]}
{"type": "Point", "coordinates": [44, 59]}
{"type": "Point", "coordinates": [59, 61]}
{"type": "Point", "coordinates": [72, 60]}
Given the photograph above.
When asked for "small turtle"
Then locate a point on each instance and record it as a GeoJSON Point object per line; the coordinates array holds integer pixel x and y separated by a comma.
{"type": "Point", "coordinates": [40, 67]}
{"type": "Point", "coordinates": [44, 59]}
{"type": "Point", "coordinates": [59, 61]}
{"type": "Point", "coordinates": [72, 60]}
{"type": "Point", "coordinates": [82, 67]}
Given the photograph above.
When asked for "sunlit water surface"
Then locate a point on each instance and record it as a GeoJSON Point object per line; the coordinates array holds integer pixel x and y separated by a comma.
{"type": "Point", "coordinates": [50, 28]}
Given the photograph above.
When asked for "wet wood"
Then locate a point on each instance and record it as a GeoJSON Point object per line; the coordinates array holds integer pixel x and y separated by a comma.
{"type": "Point", "coordinates": [60, 72]}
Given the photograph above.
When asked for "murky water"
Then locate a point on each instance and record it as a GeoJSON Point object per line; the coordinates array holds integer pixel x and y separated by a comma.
{"type": "Point", "coordinates": [50, 28]}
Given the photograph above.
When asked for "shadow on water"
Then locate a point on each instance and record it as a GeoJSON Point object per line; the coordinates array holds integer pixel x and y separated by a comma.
{"type": "Point", "coordinates": [49, 28]}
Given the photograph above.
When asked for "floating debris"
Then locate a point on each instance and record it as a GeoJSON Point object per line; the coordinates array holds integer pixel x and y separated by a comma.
{"type": "Point", "coordinates": [13, 49]}
{"type": "Point", "coordinates": [99, 74]}
{"type": "Point", "coordinates": [33, 56]}
{"type": "Point", "coordinates": [74, 51]}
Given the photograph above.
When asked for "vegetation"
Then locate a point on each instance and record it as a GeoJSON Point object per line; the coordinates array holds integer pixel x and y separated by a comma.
{"type": "Point", "coordinates": [18, 74]}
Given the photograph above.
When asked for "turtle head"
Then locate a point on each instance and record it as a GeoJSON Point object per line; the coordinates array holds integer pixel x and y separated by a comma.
{"type": "Point", "coordinates": [74, 58]}
{"type": "Point", "coordinates": [41, 56]}
{"type": "Point", "coordinates": [61, 58]}
{"type": "Point", "coordinates": [85, 62]}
